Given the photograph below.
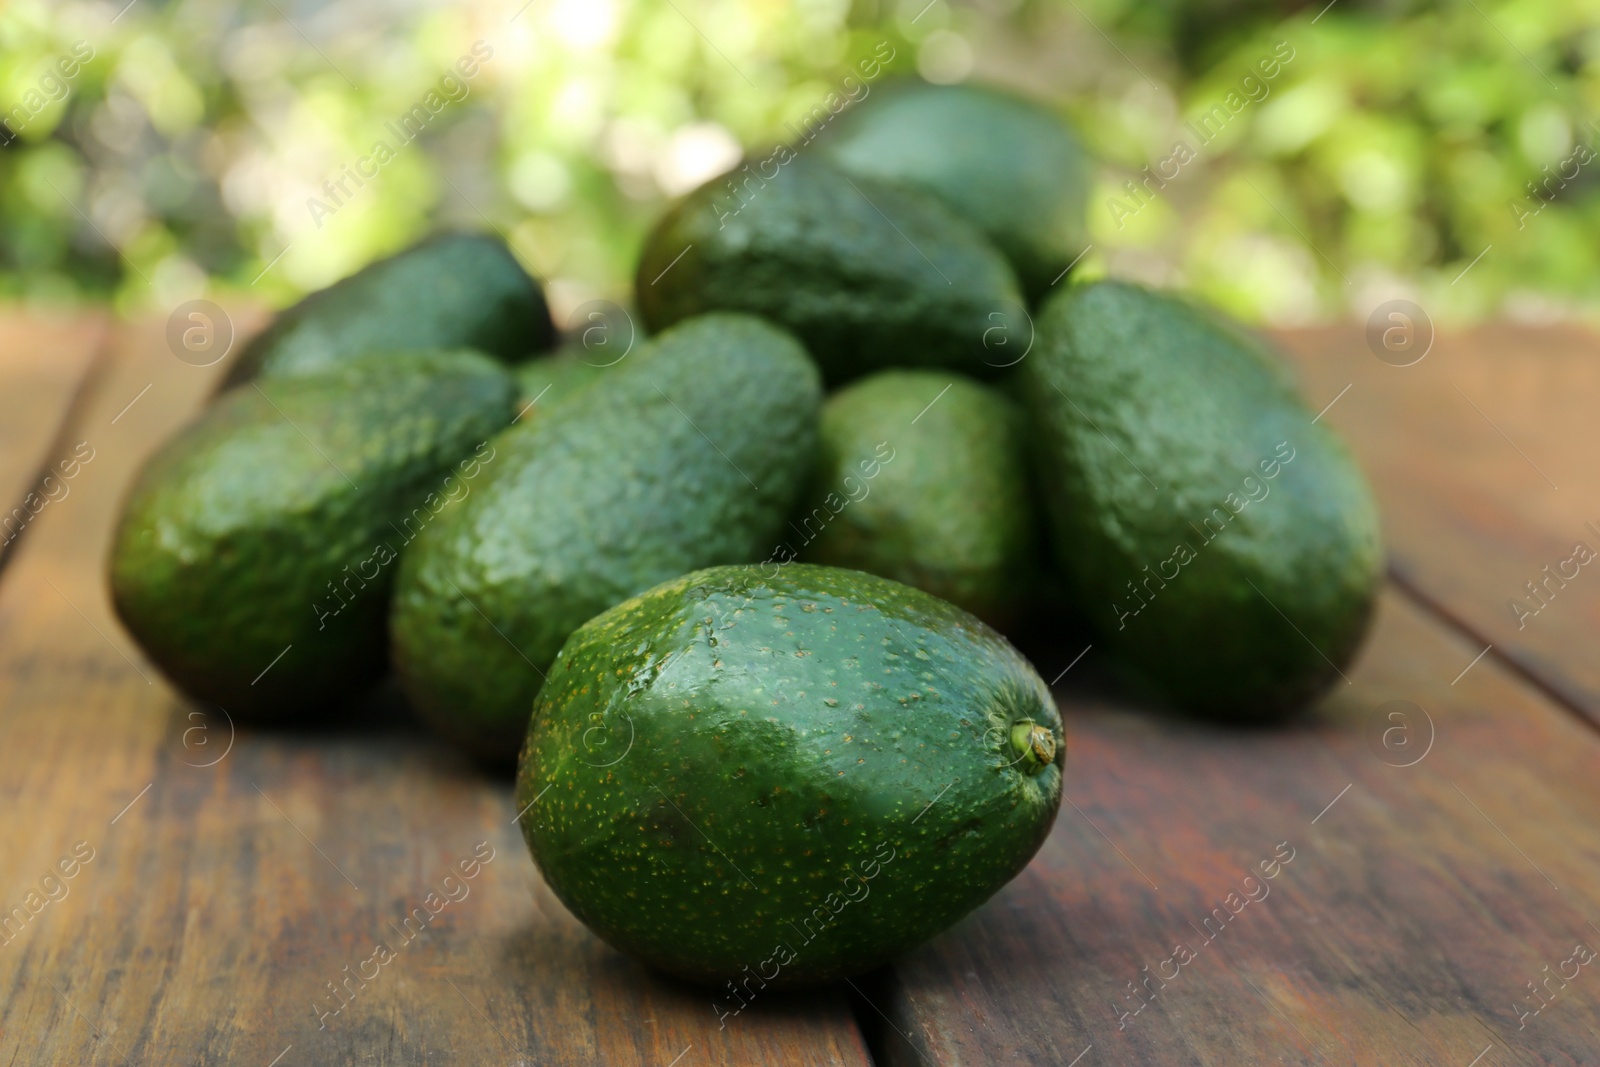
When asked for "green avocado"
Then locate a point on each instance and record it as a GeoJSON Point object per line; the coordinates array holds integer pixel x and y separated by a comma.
{"type": "Point", "coordinates": [452, 291]}
{"type": "Point", "coordinates": [756, 776]}
{"type": "Point", "coordinates": [1223, 544]}
{"type": "Point", "coordinates": [688, 453]}
{"type": "Point", "coordinates": [923, 478]}
{"type": "Point", "coordinates": [560, 376]}
{"type": "Point", "coordinates": [1010, 166]}
{"type": "Point", "coordinates": [868, 275]}
{"type": "Point", "coordinates": [255, 551]}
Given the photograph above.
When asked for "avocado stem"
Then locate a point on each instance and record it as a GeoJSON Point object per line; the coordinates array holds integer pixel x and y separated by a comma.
{"type": "Point", "coordinates": [1034, 745]}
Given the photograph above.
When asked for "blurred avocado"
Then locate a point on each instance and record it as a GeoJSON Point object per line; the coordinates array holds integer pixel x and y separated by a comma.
{"type": "Point", "coordinates": [255, 551]}
{"type": "Point", "coordinates": [551, 379]}
{"type": "Point", "coordinates": [868, 275]}
{"type": "Point", "coordinates": [1224, 545]}
{"type": "Point", "coordinates": [922, 478]}
{"type": "Point", "coordinates": [1011, 167]}
{"type": "Point", "coordinates": [455, 290]}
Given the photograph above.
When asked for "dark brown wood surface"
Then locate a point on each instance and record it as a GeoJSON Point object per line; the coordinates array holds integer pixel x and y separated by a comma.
{"type": "Point", "coordinates": [236, 874]}
{"type": "Point", "coordinates": [1483, 454]}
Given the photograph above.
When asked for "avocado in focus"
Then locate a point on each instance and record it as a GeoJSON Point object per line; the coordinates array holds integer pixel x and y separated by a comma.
{"type": "Point", "coordinates": [688, 453]}
{"type": "Point", "coordinates": [799, 771]}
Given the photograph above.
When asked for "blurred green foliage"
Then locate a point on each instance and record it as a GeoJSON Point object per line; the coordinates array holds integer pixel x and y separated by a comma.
{"type": "Point", "coordinates": [1402, 149]}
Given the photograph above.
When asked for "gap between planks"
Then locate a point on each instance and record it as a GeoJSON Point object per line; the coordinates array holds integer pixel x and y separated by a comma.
{"type": "Point", "coordinates": [72, 417]}
{"type": "Point", "coordinates": [1549, 688]}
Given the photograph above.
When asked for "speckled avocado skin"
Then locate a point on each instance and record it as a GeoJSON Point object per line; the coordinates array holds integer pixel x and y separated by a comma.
{"type": "Point", "coordinates": [688, 453]}
{"type": "Point", "coordinates": [451, 291]}
{"type": "Point", "coordinates": [1224, 545]}
{"type": "Point", "coordinates": [1009, 166]}
{"type": "Point", "coordinates": [274, 521]}
{"type": "Point", "coordinates": [947, 508]}
{"type": "Point", "coordinates": [868, 275]}
{"type": "Point", "coordinates": [802, 770]}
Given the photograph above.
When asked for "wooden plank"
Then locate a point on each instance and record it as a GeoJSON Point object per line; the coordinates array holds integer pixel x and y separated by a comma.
{"type": "Point", "coordinates": [44, 364]}
{"type": "Point", "coordinates": [1481, 456]}
{"type": "Point", "coordinates": [1418, 902]}
{"type": "Point", "coordinates": [231, 886]}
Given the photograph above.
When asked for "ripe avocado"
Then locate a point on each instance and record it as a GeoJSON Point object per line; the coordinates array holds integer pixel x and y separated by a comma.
{"type": "Point", "coordinates": [868, 275]}
{"type": "Point", "coordinates": [1224, 544]}
{"type": "Point", "coordinates": [1009, 166]}
{"type": "Point", "coordinates": [453, 291]}
{"type": "Point", "coordinates": [922, 478]}
{"type": "Point", "coordinates": [805, 769]}
{"type": "Point", "coordinates": [270, 526]}
{"type": "Point", "coordinates": [688, 453]}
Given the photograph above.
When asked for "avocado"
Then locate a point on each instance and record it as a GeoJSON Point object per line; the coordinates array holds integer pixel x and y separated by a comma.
{"type": "Point", "coordinates": [783, 775]}
{"type": "Point", "coordinates": [255, 550]}
{"type": "Point", "coordinates": [688, 453]}
{"type": "Point", "coordinates": [455, 290]}
{"type": "Point", "coordinates": [868, 275]}
{"type": "Point", "coordinates": [1008, 165]}
{"type": "Point", "coordinates": [559, 376]}
{"type": "Point", "coordinates": [922, 477]}
{"type": "Point", "coordinates": [1225, 545]}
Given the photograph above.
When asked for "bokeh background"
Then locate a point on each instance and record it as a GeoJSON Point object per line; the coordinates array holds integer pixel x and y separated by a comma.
{"type": "Point", "coordinates": [160, 151]}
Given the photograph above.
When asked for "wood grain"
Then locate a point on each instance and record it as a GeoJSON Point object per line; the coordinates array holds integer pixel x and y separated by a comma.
{"type": "Point", "coordinates": [44, 363]}
{"type": "Point", "coordinates": [235, 875]}
{"type": "Point", "coordinates": [1403, 931]}
{"type": "Point", "coordinates": [1482, 455]}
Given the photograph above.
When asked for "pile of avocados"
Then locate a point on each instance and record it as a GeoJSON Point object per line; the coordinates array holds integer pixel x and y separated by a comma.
{"type": "Point", "coordinates": [737, 593]}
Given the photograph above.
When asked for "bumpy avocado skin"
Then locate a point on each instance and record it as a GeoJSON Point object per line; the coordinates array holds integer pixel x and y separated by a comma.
{"type": "Point", "coordinates": [802, 770]}
{"type": "Point", "coordinates": [273, 523]}
{"type": "Point", "coordinates": [868, 275]}
{"type": "Point", "coordinates": [923, 478]}
{"type": "Point", "coordinates": [689, 453]}
{"type": "Point", "coordinates": [1151, 417]}
{"type": "Point", "coordinates": [451, 291]}
{"type": "Point", "coordinates": [1007, 165]}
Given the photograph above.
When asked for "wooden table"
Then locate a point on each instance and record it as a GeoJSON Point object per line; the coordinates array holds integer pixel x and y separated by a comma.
{"type": "Point", "coordinates": [1428, 827]}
